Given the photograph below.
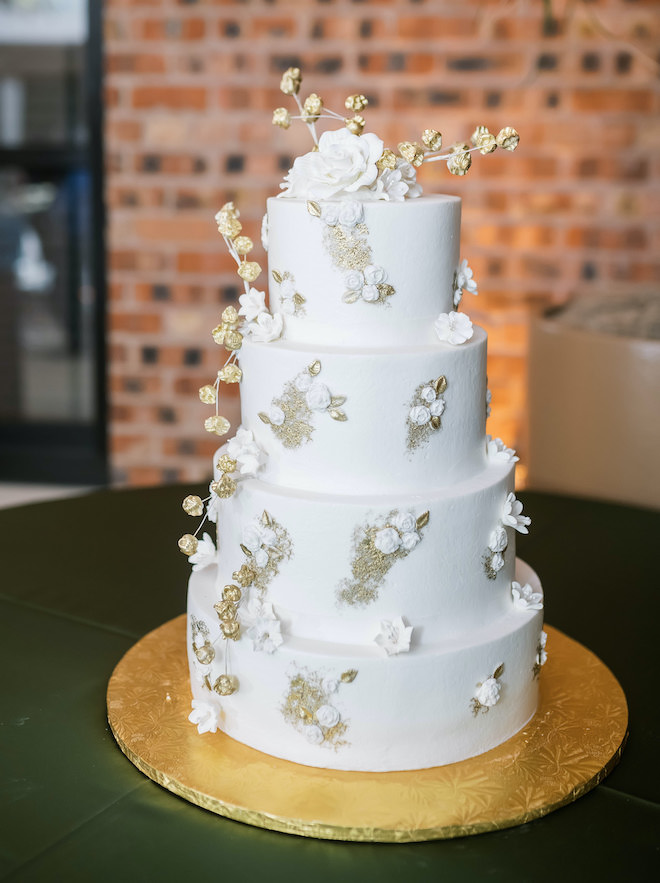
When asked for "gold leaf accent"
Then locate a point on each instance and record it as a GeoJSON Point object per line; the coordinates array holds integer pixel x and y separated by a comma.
{"type": "Point", "coordinates": [315, 368]}
{"type": "Point", "coordinates": [385, 290]}
{"type": "Point", "coordinates": [440, 384]}
{"type": "Point", "coordinates": [423, 520]}
{"type": "Point", "coordinates": [337, 415]}
{"type": "Point", "coordinates": [349, 297]}
{"type": "Point", "coordinates": [313, 208]}
{"type": "Point", "coordinates": [266, 519]}
{"type": "Point", "coordinates": [264, 418]}
{"type": "Point", "coordinates": [298, 299]}
{"type": "Point", "coordinates": [435, 422]}
{"type": "Point", "coordinates": [245, 550]}
{"type": "Point", "coordinates": [499, 671]}
{"type": "Point", "coordinates": [277, 276]}
{"type": "Point", "coordinates": [336, 401]}
{"type": "Point", "coordinates": [347, 677]}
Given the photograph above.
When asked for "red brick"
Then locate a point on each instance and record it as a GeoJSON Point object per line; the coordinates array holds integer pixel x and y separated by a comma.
{"type": "Point", "coordinates": [172, 97]}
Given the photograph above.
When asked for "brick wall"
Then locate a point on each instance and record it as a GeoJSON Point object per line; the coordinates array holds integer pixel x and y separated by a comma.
{"type": "Point", "coordinates": [190, 90]}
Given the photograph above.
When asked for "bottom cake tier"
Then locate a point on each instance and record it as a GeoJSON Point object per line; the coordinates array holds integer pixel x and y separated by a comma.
{"type": "Point", "coordinates": [346, 707]}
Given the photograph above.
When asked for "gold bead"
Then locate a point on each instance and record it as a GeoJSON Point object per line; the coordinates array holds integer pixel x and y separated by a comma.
{"type": "Point", "coordinates": [355, 125]}
{"type": "Point", "coordinates": [226, 610]}
{"type": "Point", "coordinates": [432, 139]}
{"type": "Point", "coordinates": [460, 160]}
{"type": "Point", "coordinates": [387, 160]}
{"type": "Point", "coordinates": [188, 544]}
{"type": "Point", "coordinates": [230, 314]}
{"type": "Point", "coordinates": [291, 80]}
{"type": "Point", "coordinates": [281, 117]}
{"type": "Point", "coordinates": [412, 152]}
{"type": "Point", "coordinates": [227, 220]}
{"type": "Point", "coordinates": [231, 630]}
{"type": "Point", "coordinates": [205, 653]}
{"type": "Point", "coordinates": [244, 576]}
{"type": "Point", "coordinates": [243, 244]}
{"type": "Point", "coordinates": [483, 139]}
{"type": "Point", "coordinates": [232, 593]}
{"type": "Point", "coordinates": [230, 374]}
{"type": "Point", "coordinates": [233, 340]}
{"type": "Point", "coordinates": [225, 685]}
{"type": "Point", "coordinates": [249, 270]}
{"type": "Point", "coordinates": [217, 424]}
{"type": "Point", "coordinates": [227, 463]}
{"type": "Point", "coordinates": [218, 334]}
{"type": "Point", "coordinates": [312, 108]}
{"type": "Point", "coordinates": [356, 102]}
{"type": "Point", "coordinates": [192, 505]}
{"type": "Point", "coordinates": [224, 488]}
{"type": "Point", "coordinates": [508, 138]}
{"type": "Point", "coordinates": [207, 394]}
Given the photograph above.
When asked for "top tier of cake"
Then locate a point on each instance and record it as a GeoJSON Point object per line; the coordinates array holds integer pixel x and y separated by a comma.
{"type": "Point", "coordinates": [364, 274]}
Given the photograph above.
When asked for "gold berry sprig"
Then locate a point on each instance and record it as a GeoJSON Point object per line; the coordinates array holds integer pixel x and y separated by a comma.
{"type": "Point", "coordinates": [458, 156]}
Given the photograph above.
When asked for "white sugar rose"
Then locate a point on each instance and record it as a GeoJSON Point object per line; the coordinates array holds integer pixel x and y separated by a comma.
{"type": "Point", "coordinates": [313, 734]}
{"type": "Point", "coordinates": [428, 394]}
{"type": "Point", "coordinates": [437, 407]}
{"type": "Point", "coordinates": [409, 540]}
{"type": "Point", "coordinates": [264, 231]}
{"type": "Point", "coordinates": [498, 540]}
{"type": "Point", "coordinates": [488, 693]}
{"type": "Point", "coordinates": [419, 415]}
{"type": "Point", "coordinates": [261, 557]}
{"type": "Point", "coordinates": [252, 303]}
{"type": "Point", "coordinates": [266, 327]}
{"type": "Point", "coordinates": [370, 293]}
{"type": "Point", "coordinates": [318, 396]}
{"type": "Point", "coordinates": [354, 280]}
{"type": "Point", "coordinates": [276, 415]}
{"type": "Point", "coordinates": [350, 213]}
{"type": "Point", "coordinates": [374, 275]}
{"type": "Point", "coordinates": [497, 561]}
{"type": "Point", "coordinates": [287, 306]}
{"type": "Point", "coordinates": [330, 213]}
{"type": "Point", "coordinates": [327, 715]}
{"type": "Point", "coordinates": [245, 451]}
{"type": "Point", "coordinates": [404, 522]}
{"type": "Point", "coordinates": [252, 537]}
{"type": "Point", "coordinates": [387, 540]}
{"type": "Point", "coordinates": [343, 163]}
{"type": "Point", "coordinates": [287, 288]}
{"type": "Point", "coordinates": [330, 685]}
{"type": "Point", "coordinates": [454, 328]}
{"type": "Point", "coordinates": [303, 381]}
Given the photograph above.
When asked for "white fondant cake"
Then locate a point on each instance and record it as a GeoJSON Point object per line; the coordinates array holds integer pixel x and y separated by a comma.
{"type": "Point", "coordinates": [364, 609]}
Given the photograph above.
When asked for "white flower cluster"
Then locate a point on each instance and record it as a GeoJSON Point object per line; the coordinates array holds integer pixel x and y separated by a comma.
{"type": "Point", "coordinates": [287, 293]}
{"type": "Point", "coordinates": [327, 716]}
{"type": "Point", "coordinates": [317, 394]}
{"type": "Point", "coordinates": [205, 716]}
{"type": "Point", "coordinates": [205, 553]}
{"type": "Point", "coordinates": [497, 450]}
{"type": "Point", "coordinates": [247, 453]}
{"type": "Point", "coordinates": [344, 164]}
{"type": "Point", "coordinates": [365, 284]}
{"type": "Point", "coordinates": [463, 281]}
{"type": "Point", "coordinates": [525, 598]}
{"type": "Point", "coordinates": [454, 328]}
{"type": "Point", "coordinates": [434, 406]}
{"type": "Point", "coordinates": [401, 534]}
{"type": "Point", "coordinates": [542, 656]}
{"type": "Point", "coordinates": [259, 323]}
{"type": "Point", "coordinates": [488, 693]}
{"type": "Point", "coordinates": [394, 636]}
{"type": "Point", "coordinates": [347, 214]}
{"type": "Point", "coordinates": [497, 544]}
{"type": "Point", "coordinates": [259, 539]}
{"type": "Point", "coordinates": [262, 626]}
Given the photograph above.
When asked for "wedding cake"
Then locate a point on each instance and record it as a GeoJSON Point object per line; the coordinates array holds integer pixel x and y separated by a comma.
{"type": "Point", "coordinates": [364, 608]}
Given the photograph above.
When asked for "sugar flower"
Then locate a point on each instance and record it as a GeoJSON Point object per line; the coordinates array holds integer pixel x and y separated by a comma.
{"type": "Point", "coordinates": [525, 598]}
{"type": "Point", "coordinates": [512, 515]}
{"type": "Point", "coordinates": [488, 693]}
{"type": "Point", "coordinates": [387, 540]}
{"type": "Point", "coordinates": [265, 327]}
{"type": "Point", "coordinates": [394, 636]}
{"type": "Point", "coordinates": [205, 553]}
{"type": "Point", "coordinates": [262, 626]}
{"type": "Point", "coordinates": [247, 453]}
{"type": "Point", "coordinates": [497, 450]}
{"type": "Point", "coordinates": [454, 328]}
{"type": "Point", "coordinates": [252, 304]}
{"type": "Point", "coordinates": [205, 716]}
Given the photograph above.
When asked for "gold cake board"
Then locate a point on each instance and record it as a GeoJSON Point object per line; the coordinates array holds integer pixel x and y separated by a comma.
{"type": "Point", "coordinates": [571, 744]}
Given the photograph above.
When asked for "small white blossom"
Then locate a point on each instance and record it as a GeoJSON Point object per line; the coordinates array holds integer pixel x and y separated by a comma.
{"type": "Point", "coordinates": [350, 213]}
{"type": "Point", "coordinates": [287, 288]}
{"type": "Point", "coordinates": [404, 521]}
{"type": "Point", "coordinates": [497, 561]}
{"type": "Point", "coordinates": [419, 415]}
{"type": "Point", "coordinates": [525, 598]}
{"type": "Point", "coordinates": [374, 275]}
{"type": "Point", "coordinates": [247, 453]}
{"type": "Point", "coordinates": [313, 734]}
{"type": "Point", "coordinates": [428, 394]}
{"type": "Point", "coordinates": [409, 540]}
{"type": "Point", "coordinates": [205, 716]}
{"type": "Point", "coordinates": [264, 231]}
{"type": "Point", "coordinates": [394, 636]}
{"type": "Point", "coordinates": [318, 396]}
{"type": "Point", "coordinates": [327, 715]}
{"type": "Point", "coordinates": [303, 381]}
{"type": "Point", "coordinates": [387, 540]}
{"type": "Point", "coordinates": [262, 626]}
{"type": "Point", "coordinates": [512, 514]}
{"type": "Point", "coordinates": [276, 415]}
{"type": "Point", "coordinates": [370, 293]}
{"type": "Point", "coordinates": [330, 213]}
{"type": "Point", "coordinates": [498, 540]}
{"type": "Point", "coordinates": [212, 505]}
{"type": "Point", "coordinates": [437, 407]}
{"type": "Point", "coordinates": [265, 328]}
{"type": "Point", "coordinates": [330, 685]}
{"type": "Point", "coordinates": [542, 656]}
{"type": "Point", "coordinates": [205, 553]}
{"type": "Point", "coordinates": [261, 557]}
{"type": "Point", "coordinates": [354, 280]}
{"type": "Point", "coordinates": [497, 450]}
{"type": "Point", "coordinates": [454, 328]}
{"type": "Point", "coordinates": [252, 303]}
{"type": "Point", "coordinates": [488, 693]}
{"type": "Point", "coordinates": [464, 282]}
{"type": "Point", "coordinates": [256, 535]}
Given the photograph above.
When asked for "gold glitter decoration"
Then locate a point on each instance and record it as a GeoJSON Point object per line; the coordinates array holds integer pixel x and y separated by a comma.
{"type": "Point", "coordinates": [232, 593]}
{"type": "Point", "coordinates": [312, 108]}
{"type": "Point", "coordinates": [230, 374]}
{"type": "Point", "coordinates": [387, 160]}
{"type": "Point", "coordinates": [207, 394]}
{"type": "Point", "coordinates": [483, 139]}
{"type": "Point", "coordinates": [281, 117]}
{"type": "Point", "coordinates": [551, 762]}
{"type": "Point", "coordinates": [460, 160]}
{"type": "Point", "coordinates": [412, 152]}
{"type": "Point", "coordinates": [370, 566]}
{"type": "Point", "coordinates": [356, 124]}
{"type": "Point", "coordinates": [244, 576]}
{"type": "Point", "coordinates": [227, 220]}
{"type": "Point", "coordinates": [432, 139]}
{"type": "Point", "coordinates": [192, 505]}
{"type": "Point", "coordinates": [508, 138]}
{"type": "Point", "coordinates": [249, 270]}
{"type": "Point", "coordinates": [224, 488]}
{"type": "Point", "coordinates": [225, 685]}
{"type": "Point", "coordinates": [296, 428]}
{"type": "Point", "coordinates": [474, 702]}
{"type": "Point", "coordinates": [356, 102]}
{"type": "Point", "coordinates": [309, 691]}
{"type": "Point", "coordinates": [188, 544]}
{"type": "Point", "coordinates": [227, 463]}
{"type": "Point", "coordinates": [420, 434]}
{"type": "Point", "coordinates": [243, 244]}
{"type": "Point", "coordinates": [217, 424]}
{"type": "Point", "coordinates": [278, 552]}
{"type": "Point", "coordinates": [291, 80]}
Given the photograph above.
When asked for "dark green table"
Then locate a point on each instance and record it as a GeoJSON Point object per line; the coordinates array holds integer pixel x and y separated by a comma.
{"type": "Point", "coordinates": [83, 579]}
